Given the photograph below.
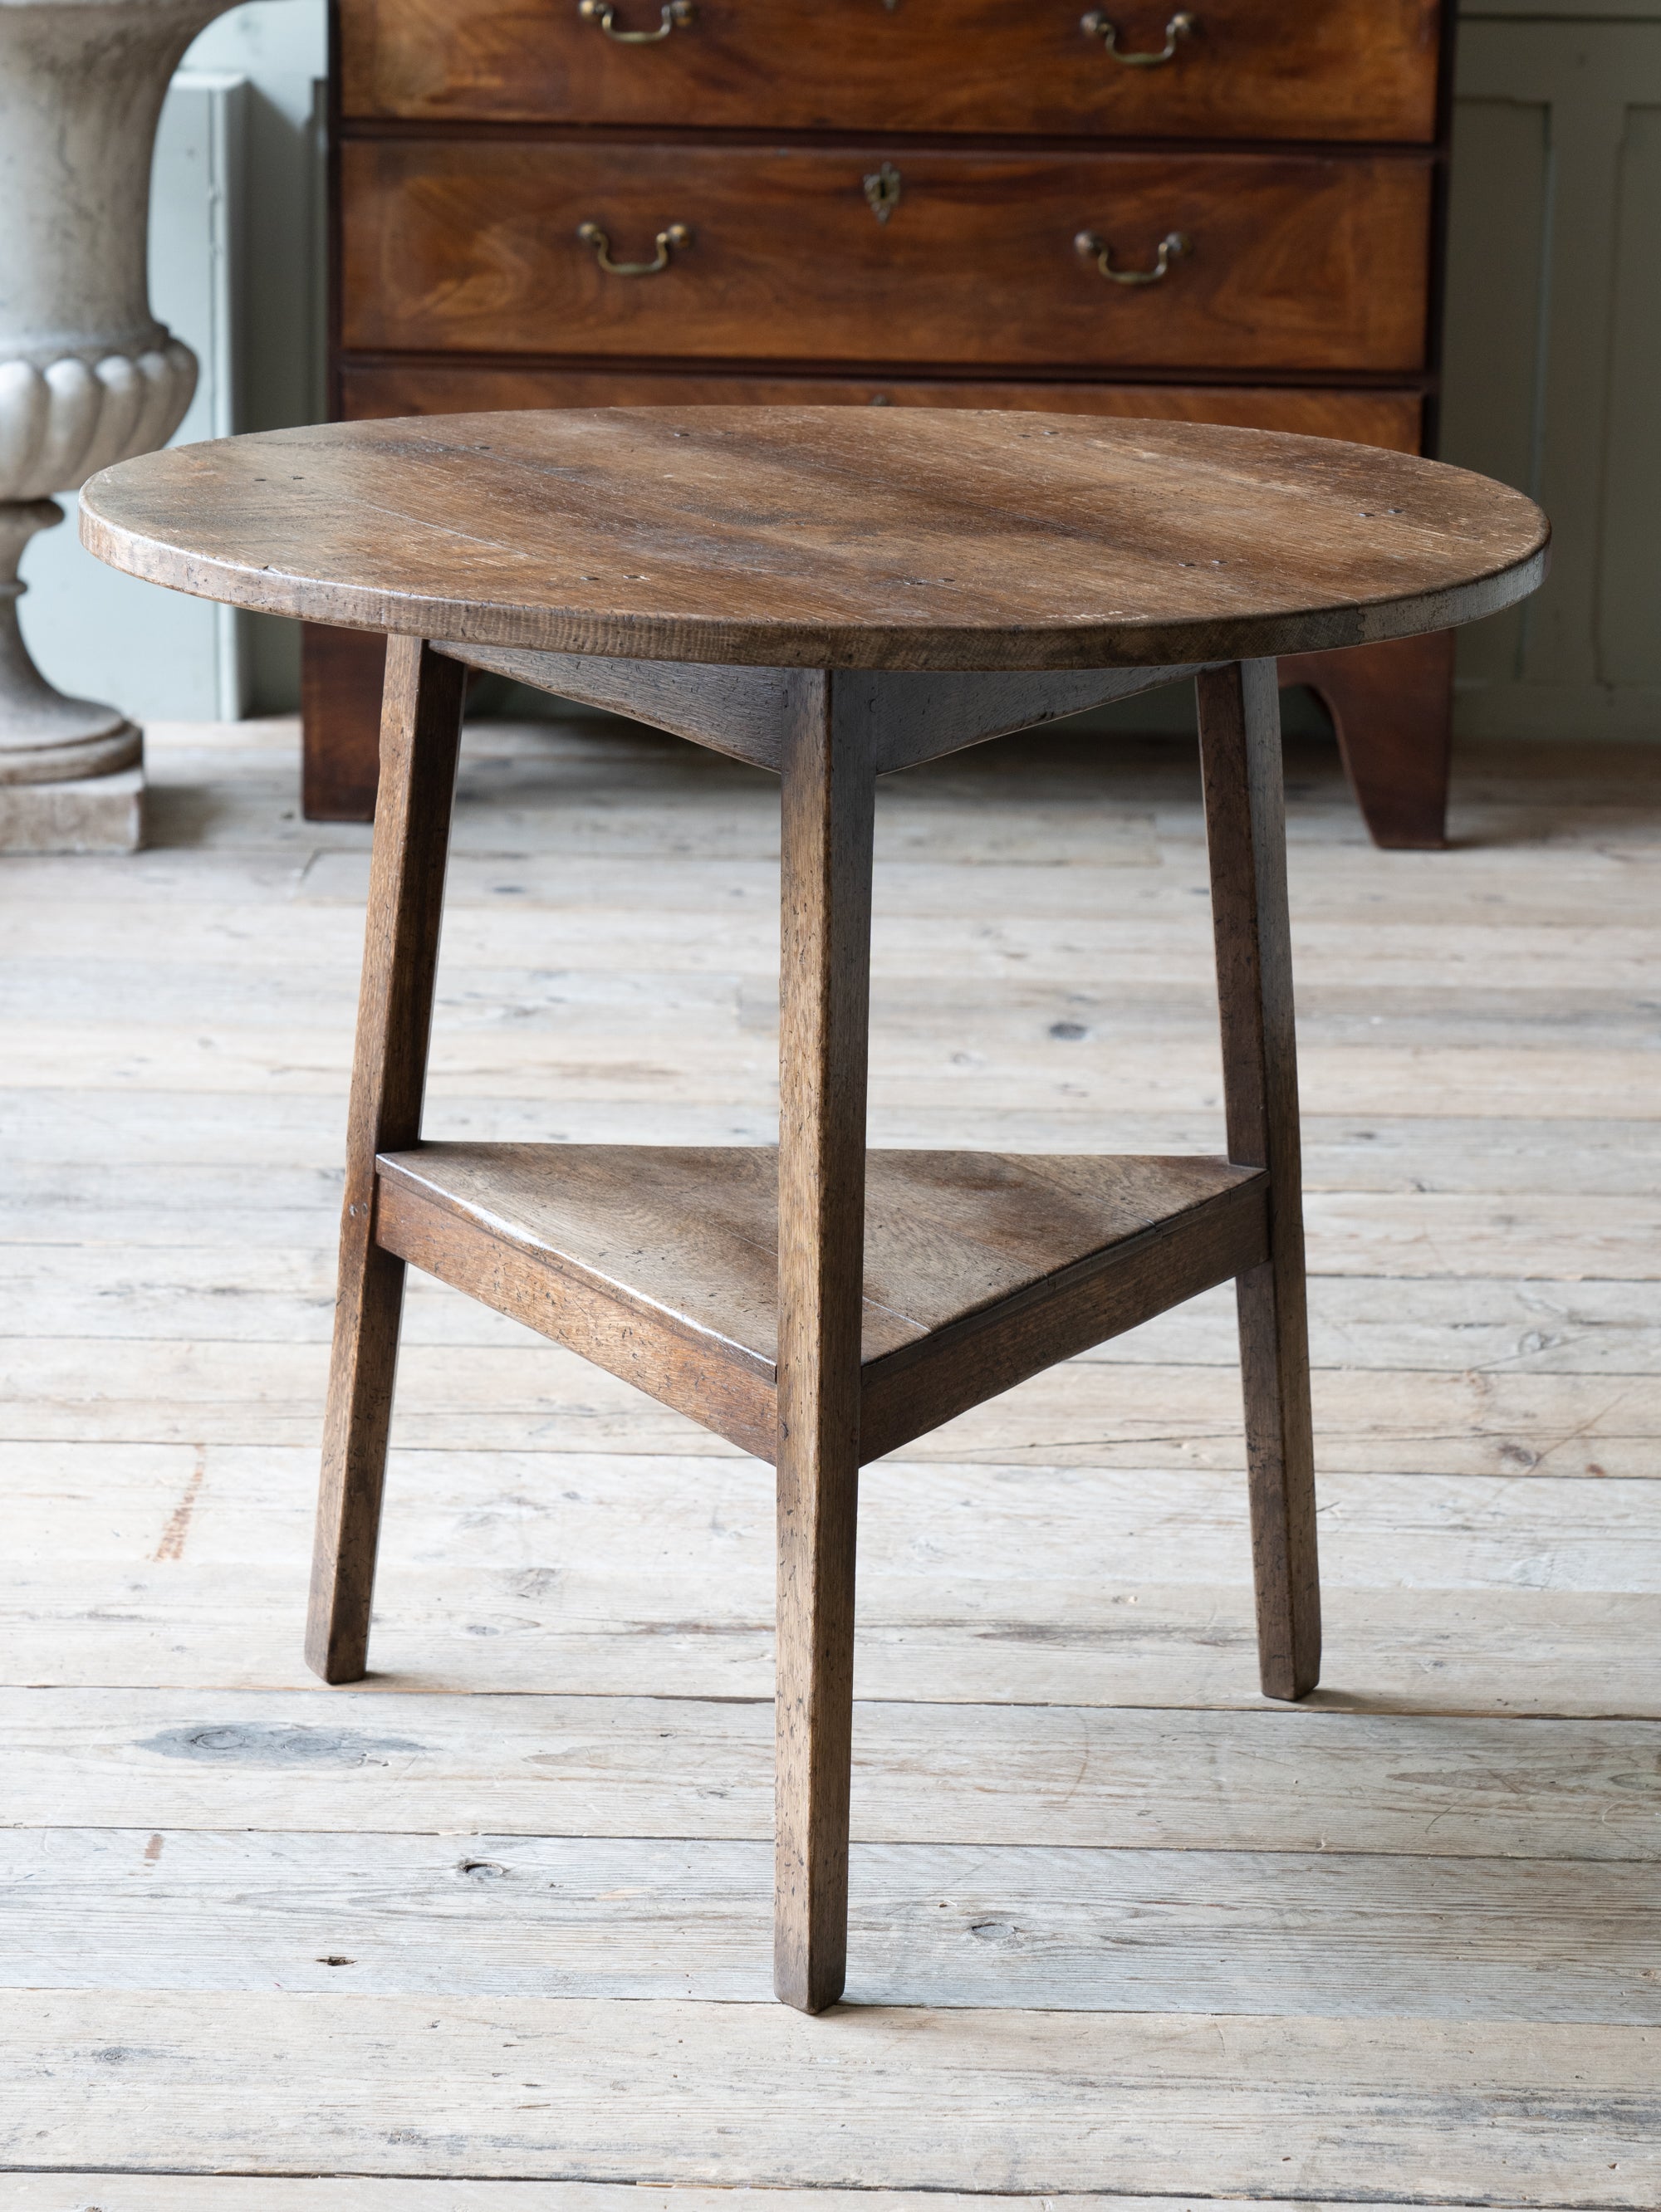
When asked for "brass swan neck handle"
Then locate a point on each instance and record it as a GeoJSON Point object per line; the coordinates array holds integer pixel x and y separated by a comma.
{"type": "Point", "coordinates": [1172, 246]}
{"type": "Point", "coordinates": [677, 14]}
{"type": "Point", "coordinates": [668, 242]}
{"type": "Point", "coordinates": [1183, 25]}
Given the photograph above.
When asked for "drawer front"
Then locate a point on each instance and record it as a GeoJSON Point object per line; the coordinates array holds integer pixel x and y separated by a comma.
{"type": "Point", "coordinates": [1295, 262]}
{"type": "Point", "coordinates": [1315, 70]}
{"type": "Point", "coordinates": [1391, 419]}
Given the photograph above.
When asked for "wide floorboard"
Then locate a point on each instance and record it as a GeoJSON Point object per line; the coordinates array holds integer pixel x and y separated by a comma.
{"type": "Point", "coordinates": [489, 1933]}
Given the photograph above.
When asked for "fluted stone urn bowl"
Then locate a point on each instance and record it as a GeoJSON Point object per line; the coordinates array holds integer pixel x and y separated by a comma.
{"type": "Point", "coordinates": [87, 376]}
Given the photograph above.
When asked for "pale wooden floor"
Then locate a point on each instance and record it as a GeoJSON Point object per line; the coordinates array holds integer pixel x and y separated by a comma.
{"type": "Point", "coordinates": [494, 1928]}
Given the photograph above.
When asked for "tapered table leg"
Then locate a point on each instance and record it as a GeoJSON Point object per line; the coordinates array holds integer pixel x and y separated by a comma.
{"type": "Point", "coordinates": [1246, 831]}
{"type": "Point", "coordinates": [420, 737]}
{"type": "Point", "coordinates": [824, 994]}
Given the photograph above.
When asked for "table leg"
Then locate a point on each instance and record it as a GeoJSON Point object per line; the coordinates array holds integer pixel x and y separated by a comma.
{"type": "Point", "coordinates": [1246, 831]}
{"type": "Point", "coordinates": [829, 791]}
{"type": "Point", "coordinates": [420, 737]}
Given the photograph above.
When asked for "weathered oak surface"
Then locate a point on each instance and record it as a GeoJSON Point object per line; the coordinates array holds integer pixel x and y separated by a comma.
{"type": "Point", "coordinates": [690, 1237]}
{"type": "Point", "coordinates": [663, 1266]}
{"type": "Point", "coordinates": [752, 536]}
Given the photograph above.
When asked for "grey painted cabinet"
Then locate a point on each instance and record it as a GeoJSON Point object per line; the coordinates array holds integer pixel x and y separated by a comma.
{"type": "Point", "coordinates": [1553, 351]}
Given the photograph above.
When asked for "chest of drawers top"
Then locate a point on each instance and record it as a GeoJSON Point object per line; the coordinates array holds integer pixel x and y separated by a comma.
{"type": "Point", "coordinates": [1337, 71]}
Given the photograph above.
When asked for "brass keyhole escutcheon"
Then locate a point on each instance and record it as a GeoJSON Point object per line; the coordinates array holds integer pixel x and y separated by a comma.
{"type": "Point", "coordinates": [883, 188]}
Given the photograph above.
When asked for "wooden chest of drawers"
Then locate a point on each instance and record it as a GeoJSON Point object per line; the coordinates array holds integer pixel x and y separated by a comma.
{"type": "Point", "coordinates": [1229, 213]}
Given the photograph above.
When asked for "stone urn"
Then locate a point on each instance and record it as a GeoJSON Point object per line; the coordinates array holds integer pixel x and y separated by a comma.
{"type": "Point", "coordinates": [87, 376]}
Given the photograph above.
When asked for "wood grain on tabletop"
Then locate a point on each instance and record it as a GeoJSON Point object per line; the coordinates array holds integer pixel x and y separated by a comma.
{"type": "Point", "coordinates": [747, 536]}
{"type": "Point", "coordinates": [341, 669]}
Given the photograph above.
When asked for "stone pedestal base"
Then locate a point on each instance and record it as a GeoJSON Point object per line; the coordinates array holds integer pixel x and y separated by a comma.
{"type": "Point", "coordinates": [87, 376]}
{"type": "Point", "coordinates": [71, 772]}
{"type": "Point", "coordinates": [94, 814]}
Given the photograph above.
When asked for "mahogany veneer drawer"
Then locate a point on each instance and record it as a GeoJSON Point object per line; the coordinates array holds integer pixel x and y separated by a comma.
{"type": "Point", "coordinates": [1314, 69]}
{"type": "Point", "coordinates": [1391, 419]}
{"type": "Point", "coordinates": [1295, 262]}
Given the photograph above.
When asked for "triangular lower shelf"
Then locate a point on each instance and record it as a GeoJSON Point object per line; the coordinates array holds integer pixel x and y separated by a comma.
{"type": "Point", "coordinates": [660, 1263]}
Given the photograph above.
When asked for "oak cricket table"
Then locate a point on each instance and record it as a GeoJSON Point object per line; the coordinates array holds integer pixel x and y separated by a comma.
{"type": "Point", "coordinates": [834, 594]}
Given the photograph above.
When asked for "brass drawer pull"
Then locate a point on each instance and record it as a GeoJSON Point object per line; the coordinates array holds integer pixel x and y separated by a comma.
{"type": "Point", "coordinates": [1172, 246]}
{"type": "Point", "coordinates": [1098, 26]}
{"type": "Point", "coordinates": [677, 14]}
{"type": "Point", "coordinates": [666, 241]}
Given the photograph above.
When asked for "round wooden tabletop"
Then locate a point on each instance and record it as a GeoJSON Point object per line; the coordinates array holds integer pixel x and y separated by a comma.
{"type": "Point", "coordinates": [827, 537]}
